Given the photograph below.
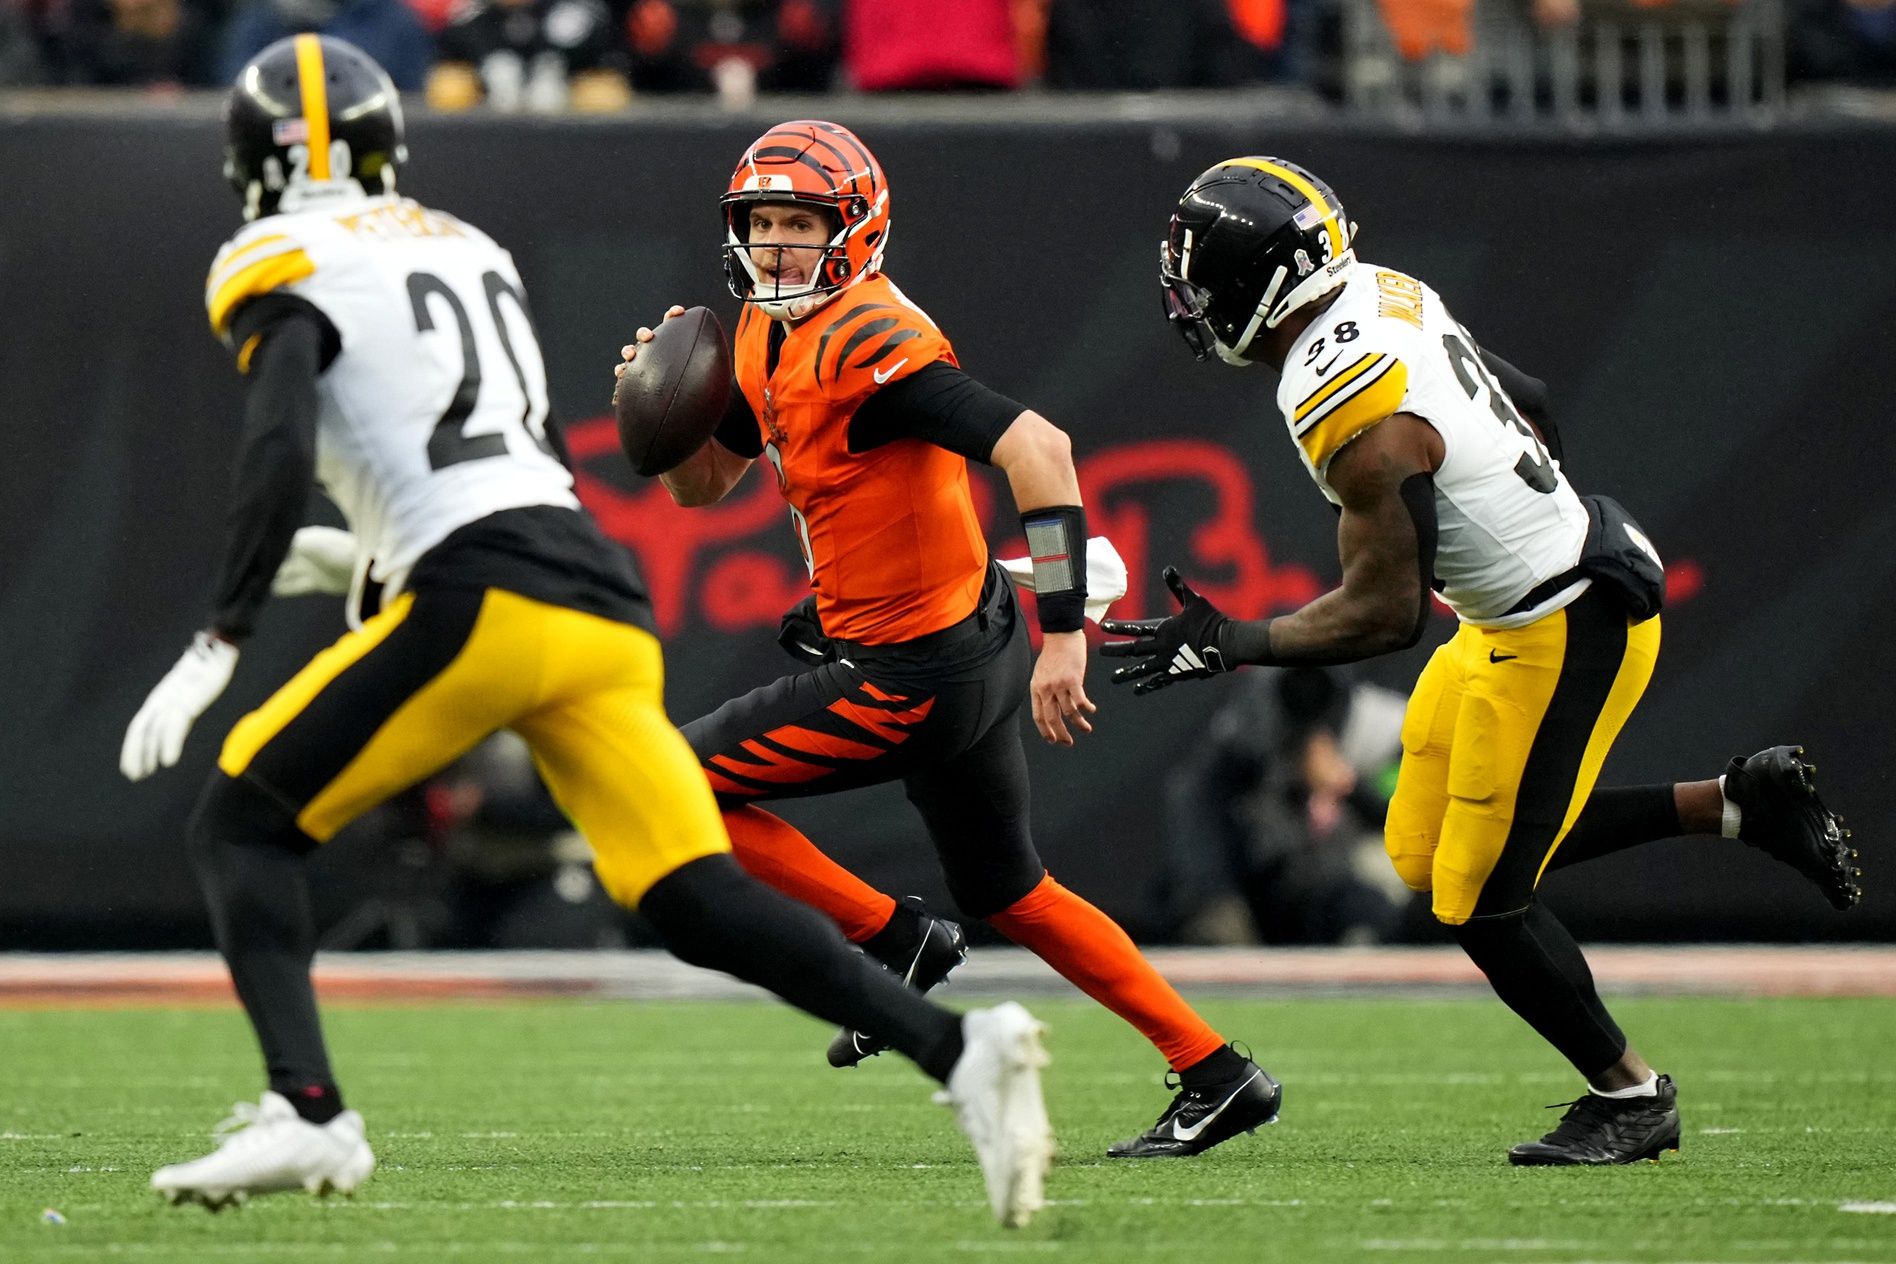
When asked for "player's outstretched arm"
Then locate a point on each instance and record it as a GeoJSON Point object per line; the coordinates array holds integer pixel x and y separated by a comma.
{"type": "Point", "coordinates": [707, 475]}
{"type": "Point", "coordinates": [282, 354]}
{"type": "Point", "coordinates": [1386, 537]}
{"type": "Point", "coordinates": [1037, 458]}
{"type": "Point", "coordinates": [1386, 540]}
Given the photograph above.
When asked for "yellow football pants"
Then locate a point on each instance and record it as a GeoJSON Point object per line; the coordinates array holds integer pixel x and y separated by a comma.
{"type": "Point", "coordinates": [1501, 745]}
{"type": "Point", "coordinates": [433, 674]}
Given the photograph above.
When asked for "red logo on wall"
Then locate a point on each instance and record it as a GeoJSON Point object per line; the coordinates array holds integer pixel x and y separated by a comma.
{"type": "Point", "coordinates": [718, 566]}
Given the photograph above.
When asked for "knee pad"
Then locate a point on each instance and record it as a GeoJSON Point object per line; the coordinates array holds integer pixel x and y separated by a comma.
{"type": "Point", "coordinates": [988, 861]}
{"type": "Point", "coordinates": [233, 811]}
{"type": "Point", "coordinates": [1416, 869]}
{"type": "Point", "coordinates": [984, 886]}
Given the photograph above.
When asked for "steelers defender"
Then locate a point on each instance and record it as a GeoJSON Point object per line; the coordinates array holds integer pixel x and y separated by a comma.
{"type": "Point", "coordinates": [1413, 435]}
{"type": "Point", "coordinates": [387, 349]}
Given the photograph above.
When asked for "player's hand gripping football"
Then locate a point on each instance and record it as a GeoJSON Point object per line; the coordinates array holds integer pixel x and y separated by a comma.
{"type": "Point", "coordinates": [156, 736]}
{"type": "Point", "coordinates": [1183, 647]}
{"type": "Point", "coordinates": [630, 351]}
{"type": "Point", "coordinates": [1059, 687]}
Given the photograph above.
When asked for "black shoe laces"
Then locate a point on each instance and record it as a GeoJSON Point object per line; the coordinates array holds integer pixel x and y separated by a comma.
{"type": "Point", "coordinates": [1591, 1113]}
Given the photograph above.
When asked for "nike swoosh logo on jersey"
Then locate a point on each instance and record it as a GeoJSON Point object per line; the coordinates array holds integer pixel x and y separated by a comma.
{"type": "Point", "coordinates": [883, 375]}
{"type": "Point", "coordinates": [1501, 658]}
{"type": "Point", "coordinates": [1191, 1133]}
{"type": "Point", "coordinates": [1329, 364]}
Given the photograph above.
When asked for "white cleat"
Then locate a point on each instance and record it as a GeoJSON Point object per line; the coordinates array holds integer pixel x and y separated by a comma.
{"type": "Point", "coordinates": [995, 1090]}
{"type": "Point", "coordinates": [268, 1148]}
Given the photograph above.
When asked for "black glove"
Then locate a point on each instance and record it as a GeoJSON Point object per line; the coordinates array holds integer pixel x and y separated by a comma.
{"type": "Point", "coordinates": [1183, 647]}
{"type": "Point", "coordinates": [801, 634]}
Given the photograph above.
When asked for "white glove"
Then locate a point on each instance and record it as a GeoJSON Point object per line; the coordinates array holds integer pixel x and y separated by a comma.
{"type": "Point", "coordinates": [321, 560]}
{"type": "Point", "coordinates": [156, 736]}
{"type": "Point", "coordinates": [1105, 575]}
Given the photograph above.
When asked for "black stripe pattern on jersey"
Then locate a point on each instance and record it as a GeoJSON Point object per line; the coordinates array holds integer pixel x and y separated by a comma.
{"type": "Point", "coordinates": [849, 317]}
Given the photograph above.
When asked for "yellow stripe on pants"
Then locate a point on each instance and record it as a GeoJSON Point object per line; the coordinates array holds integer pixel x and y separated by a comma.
{"type": "Point", "coordinates": [585, 692]}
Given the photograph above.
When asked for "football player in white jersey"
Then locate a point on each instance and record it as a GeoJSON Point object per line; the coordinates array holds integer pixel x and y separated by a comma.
{"type": "Point", "coordinates": [387, 350]}
{"type": "Point", "coordinates": [1413, 434]}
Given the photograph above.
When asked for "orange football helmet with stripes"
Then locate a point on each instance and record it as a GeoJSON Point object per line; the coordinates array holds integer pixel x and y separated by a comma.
{"type": "Point", "coordinates": [818, 164]}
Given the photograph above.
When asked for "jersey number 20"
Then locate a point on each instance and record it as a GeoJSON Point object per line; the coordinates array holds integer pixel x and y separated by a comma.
{"type": "Point", "coordinates": [448, 445]}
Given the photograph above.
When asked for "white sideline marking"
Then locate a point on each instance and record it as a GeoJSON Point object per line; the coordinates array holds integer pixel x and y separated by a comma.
{"type": "Point", "coordinates": [1871, 1209]}
{"type": "Point", "coordinates": [1720, 1132]}
{"type": "Point", "coordinates": [1472, 1244]}
{"type": "Point", "coordinates": [994, 1245]}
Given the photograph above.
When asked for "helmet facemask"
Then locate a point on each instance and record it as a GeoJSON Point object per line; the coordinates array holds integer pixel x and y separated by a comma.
{"type": "Point", "coordinates": [833, 271]}
{"type": "Point", "coordinates": [1185, 303]}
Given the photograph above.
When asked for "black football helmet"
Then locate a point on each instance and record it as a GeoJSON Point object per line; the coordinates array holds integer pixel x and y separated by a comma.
{"type": "Point", "coordinates": [1252, 240]}
{"type": "Point", "coordinates": [310, 113]}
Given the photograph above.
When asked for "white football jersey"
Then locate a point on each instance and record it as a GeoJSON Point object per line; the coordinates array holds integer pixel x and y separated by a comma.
{"type": "Point", "coordinates": [1507, 519]}
{"type": "Point", "coordinates": [434, 411]}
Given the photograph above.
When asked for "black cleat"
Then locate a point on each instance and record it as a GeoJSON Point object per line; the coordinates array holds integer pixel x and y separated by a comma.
{"type": "Point", "coordinates": [1200, 1118]}
{"type": "Point", "coordinates": [942, 948]}
{"type": "Point", "coordinates": [1782, 816]}
{"type": "Point", "coordinates": [1597, 1131]}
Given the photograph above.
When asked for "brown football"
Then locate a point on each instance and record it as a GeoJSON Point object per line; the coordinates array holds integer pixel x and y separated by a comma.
{"type": "Point", "coordinates": [673, 394]}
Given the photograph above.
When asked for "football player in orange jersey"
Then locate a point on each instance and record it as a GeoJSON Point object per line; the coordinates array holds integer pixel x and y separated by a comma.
{"type": "Point", "coordinates": [856, 400]}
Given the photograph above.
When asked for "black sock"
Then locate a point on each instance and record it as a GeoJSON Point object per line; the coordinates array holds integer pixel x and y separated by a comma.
{"type": "Point", "coordinates": [1615, 818]}
{"type": "Point", "coordinates": [249, 858]}
{"type": "Point", "coordinates": [1220, 1066]}
{"type": "Point", "coordinates": [713, 914]}
{"type": "Point", "coordinates": [1538, 970]}
{"type": "Point", "coordinates": [318, 1103]}
{"type": "Point", "coordinates": [895, 945]}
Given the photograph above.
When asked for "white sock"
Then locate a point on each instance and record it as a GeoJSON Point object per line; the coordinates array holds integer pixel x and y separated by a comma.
{"type": "Point", "coordinates": [1649, 1089]}
{"type": "Point", "coordinates": [1730, 815]}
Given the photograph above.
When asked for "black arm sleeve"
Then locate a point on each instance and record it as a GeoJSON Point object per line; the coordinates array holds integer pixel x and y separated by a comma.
{"type": "Point", "coordinates": [939, 404]}
{"type": "Point", "coordinates": [1530, 395]}
{"type": "Point", "coordinates": [282, 350]}
{"type": "Point", "coordinates": [738, 432]}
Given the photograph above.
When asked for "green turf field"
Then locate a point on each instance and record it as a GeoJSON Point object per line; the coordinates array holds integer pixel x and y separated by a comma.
{"type": "Point", "coordinates": [651, 1132]}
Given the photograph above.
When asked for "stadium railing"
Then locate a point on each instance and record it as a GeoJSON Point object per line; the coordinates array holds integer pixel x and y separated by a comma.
{"type": "Point", "coordinates": [1622, 66]}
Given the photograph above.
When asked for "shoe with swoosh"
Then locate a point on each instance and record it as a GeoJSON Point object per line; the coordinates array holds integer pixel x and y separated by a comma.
{"type": "Point", "coordinates": [1200, 1118]}
{"type": "Point", "coordinates": [942, 948]}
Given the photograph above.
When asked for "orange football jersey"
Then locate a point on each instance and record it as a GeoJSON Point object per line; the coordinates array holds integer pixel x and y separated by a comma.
{"type": "Point", "coordinates": [889, 535]}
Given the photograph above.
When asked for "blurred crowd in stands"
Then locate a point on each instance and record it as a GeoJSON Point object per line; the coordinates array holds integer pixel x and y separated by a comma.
{"type": "Point", "coordinates": [554, 55]}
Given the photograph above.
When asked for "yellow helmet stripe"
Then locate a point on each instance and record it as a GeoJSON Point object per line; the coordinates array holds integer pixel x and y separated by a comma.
{"type": "Point", "coordinates": [311, 78]}
{"type": "Point", "coordinates": [1303, 186]}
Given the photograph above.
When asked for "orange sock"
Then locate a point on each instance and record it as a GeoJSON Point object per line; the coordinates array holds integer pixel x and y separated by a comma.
{"type": "Point", "coordinates": [1090, 950]}
{"type": "Point", "coordinates": [774, 852]}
